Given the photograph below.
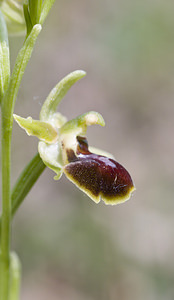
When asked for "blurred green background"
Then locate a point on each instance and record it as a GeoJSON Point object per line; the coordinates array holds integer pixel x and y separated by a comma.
{"type": "Point", "coordinates": [70, 247]}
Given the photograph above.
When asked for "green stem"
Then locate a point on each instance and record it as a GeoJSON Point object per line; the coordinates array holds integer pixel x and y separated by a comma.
{"type": "Point", "coordinates": [6, 206]}
{"type": "Point", "coordinates": [8, 103]}
{"type": "Point", "coordinates": [5, 165]}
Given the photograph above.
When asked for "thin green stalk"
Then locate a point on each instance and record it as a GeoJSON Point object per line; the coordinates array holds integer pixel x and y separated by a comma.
{"type": "Point", "coordinates": [6, 207]}
{"type": "Point", "coordinates": [8, 103]}
{"type": "Point", "coordinates": [5, 164]}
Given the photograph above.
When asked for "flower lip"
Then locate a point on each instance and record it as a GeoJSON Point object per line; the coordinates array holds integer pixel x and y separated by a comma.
{"type": "Point", "coordinates": [98, 176]}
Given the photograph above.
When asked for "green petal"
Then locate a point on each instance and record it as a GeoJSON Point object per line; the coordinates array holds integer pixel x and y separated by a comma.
{"type": "Point", "coordinates": [44, 131]}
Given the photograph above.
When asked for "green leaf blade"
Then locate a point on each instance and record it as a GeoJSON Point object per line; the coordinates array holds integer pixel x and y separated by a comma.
{"type": "Point", "coordinates": [19, 68]}
{"type": "Point", "coordinates": [26, 180]}
{"type": "Point", "coordinates": [46, 6]}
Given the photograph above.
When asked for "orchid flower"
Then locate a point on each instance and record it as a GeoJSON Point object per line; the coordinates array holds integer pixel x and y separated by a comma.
{"type": "Point", "coordinates": [63, 147]}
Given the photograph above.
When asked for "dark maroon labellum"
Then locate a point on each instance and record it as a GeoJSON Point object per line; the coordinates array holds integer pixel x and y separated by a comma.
{"type": "Point", "coordinates": [99, 176]}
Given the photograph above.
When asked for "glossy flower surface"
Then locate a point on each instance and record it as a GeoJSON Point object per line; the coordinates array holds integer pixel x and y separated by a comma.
{"type": "Point", "coordinates": [63, 147]}
{"type": "Point", "coordinates": [100, 177]}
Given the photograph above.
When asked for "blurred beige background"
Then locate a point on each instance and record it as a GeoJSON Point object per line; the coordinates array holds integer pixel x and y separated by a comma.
{"type": "Point", "coordinates": [70, 247]}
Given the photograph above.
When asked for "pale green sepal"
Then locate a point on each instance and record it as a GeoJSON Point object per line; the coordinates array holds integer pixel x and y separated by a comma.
{"type": "Point", "coordinates": [58, 92]}
{"type": "Point", "coordinates": [43, 130]}
{"type": "Point", "coordinates": [79, 124]}
{"type": "Point", "coordinates": [51, 156]}
{"type": "Point", "coordinates": [4, 57]}
{"type": "Point", "coordinates": [15, 278]}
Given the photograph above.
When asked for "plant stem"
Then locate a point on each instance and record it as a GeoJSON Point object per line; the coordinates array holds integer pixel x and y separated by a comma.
{"type": "Point", "coordinates": [5, 166]}
{"type": "Point", "coordinates": [6, 206]}
{"type": "Point", "coordinates": [7, 109]}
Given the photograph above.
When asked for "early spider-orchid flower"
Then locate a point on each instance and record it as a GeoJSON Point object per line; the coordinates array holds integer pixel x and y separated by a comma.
{"type": "Point", "coordinates": [63, 147]}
